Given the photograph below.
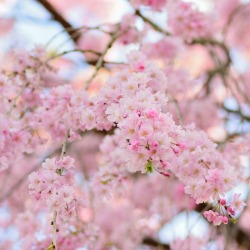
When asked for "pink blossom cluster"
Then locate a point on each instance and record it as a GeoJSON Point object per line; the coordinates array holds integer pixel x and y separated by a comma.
{"type": "Point", "coordinates": [187, 22]}
{"type": "Point", "coordinates": [203, 169]}
{"type": "Point", "coordinates": [116, 222]}
{"type": "Point", "coordinates": [53, 187]}
{"type": "Point", "coordinates": [16, 140]}
{"type": "Point", "coordinates": [166, 49]}
{"type": "Point", "coordinates": [226, 211]}
{"type": "Point", "coordinates": [28, 67]}
{"type": "Point", "coordinates": [68, 238]}
{"type": "Point", "coordinates": [145, 159]}
{"type": "Point", "coordinates": [195, 112]}
{"type": "Point", "coordinates": [70, 107]}
{"type": "Point", "coordinates": [179, 83]}
{"type": "Point", "coordinates": [150, 139]}
{"type": "Point", "coordinates": [141, 85]}
{"type": "Point", "coordinates": [154, 4]}
{"type": "Point", "coordinates": [20, 87]}
{"type": "Point", "coordinates": [215, 217]}
{"type": "Point", "coordinates": [111, 175]}
{"type": "Point", "coordinates": [129, 32]}
{"type": "Point", "coordinates": [147, 134]}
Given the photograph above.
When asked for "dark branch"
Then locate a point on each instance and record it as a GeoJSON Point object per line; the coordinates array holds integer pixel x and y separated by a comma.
{"type": "Point", "coordinates": [151, 23]}
{"type": "Point", "coordinates": [154, 243]}
{"type": "Point", "coordinates": [73, 33]}
{"type": "Point", "coordinates": [238, 112]}
{"type": "Point", "coordinates": [221, 69]}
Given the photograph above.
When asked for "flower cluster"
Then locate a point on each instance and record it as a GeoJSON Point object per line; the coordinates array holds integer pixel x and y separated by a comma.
{"type": "Point", "coordinates": [225, 211]}
{"type": "Point", "coordinates": [16, 140]}
{"type": "Point", "coordinates": [215, 217]}
{"type": "Point", "coordinates": [28, 67]}
{"type": "Point", "coordinates": [165, 49]}
{"type": "Point", "coordinates": [202, 168]}
{"type": "Point", "coordinates": [150, 139]}
{"type": "Point", "coordinates": [65, 108]}
{"type": "Point", "coordinates": [186, 21]}
{"type": "Point", "coordinates": [154, 4]}
{"type": "Point", "coordinates": [23, 79]}
{"type": "Point", "coordinates": [129, 33]}
{"type": "Point", "coordinates": [146, 152]}
{"type": "Point", "coordinates": [111, 175]}
{"type": "Point", "coordinates": [53, 187]}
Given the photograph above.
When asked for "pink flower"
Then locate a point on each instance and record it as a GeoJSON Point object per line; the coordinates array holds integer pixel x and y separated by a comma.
{"type": "Point", "coordinates": [223, 202]}
{"type": "Point", "coordinates": [152, 113]}
{"type": "Point", "coordinates": [154, 4]}
{"type": "Point", "coordinates": [215, 217]}
{"type": "Point", "coordinates": [209, 215]}
{"type": "Point", "coordinates": [49, 164]}
{"type": "Point", "coordinates": [67, 162]}
{"type": "Point", "coordinates": [237, 204]}
{"type": "Point", "coordinates": [182, 145]}
{"type": "Point", "coordinates": [217, 220]}
{"type": "Point", "coordinates": [224, 220]}
{"type": "Point", "coordinates": [186, 21]}
{"type": "Point", "coordinates": [176, 151]}
{"type": "Point", "coordinates": [231, 211]}
{"type": "Point", "coordinates": [139, 67]}
{"type": "Point", "coordinates": [165, 174]}
{"type": "Point", "coordinates": [134, 145]}
{"type": "Point", "coordinates": [154, 144]}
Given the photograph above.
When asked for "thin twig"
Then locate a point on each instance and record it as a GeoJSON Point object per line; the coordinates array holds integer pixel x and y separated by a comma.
{"type": "Point", "coordinates": [15, 99]}
{"type": "Point", "coordinates": [178, 111]}
{"type": "Point", "coordinates": [151, 23]}
{"type": "Point", "coordinates": [54, 224]}
{"type": "Point", "coordinates": [72, 51]}
{"type": "Point", "coordinates": [100, 60]}
{"type": "Point", "coordinates": [54, 229]}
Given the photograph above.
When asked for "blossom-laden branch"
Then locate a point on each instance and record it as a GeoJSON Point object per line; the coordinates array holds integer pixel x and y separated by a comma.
{"type": "Point", "coordinates": [59, 171]}
{"type": "Point", "coordinates": [146, 140]}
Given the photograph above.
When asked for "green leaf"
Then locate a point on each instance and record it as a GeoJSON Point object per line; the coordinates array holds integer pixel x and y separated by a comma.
{"type": "Point", "coordinates": [233, 220]}
{"type": "Point", "coordinates": [59, 171]}
{"type": "Point", "coordinates": [149, 167]}
{"type": "Point", "coordinates": [74, 233]}
{"type": "Point", "coordinates": [105, 182]}
{"type": "Point", "coordinates": [51, 246]}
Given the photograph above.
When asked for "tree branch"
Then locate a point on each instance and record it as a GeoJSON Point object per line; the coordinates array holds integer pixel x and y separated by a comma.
{"type": "Point", "coordinates": [238, 112]}
{"type": "Point", "coordinates": [220, 69]}
{"type": "Point", "coordinates": [73, 33]}
{"type": "Point", "coordinates": [154, 243]}
{"type": "Point", "coordinates": [151, 23]}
